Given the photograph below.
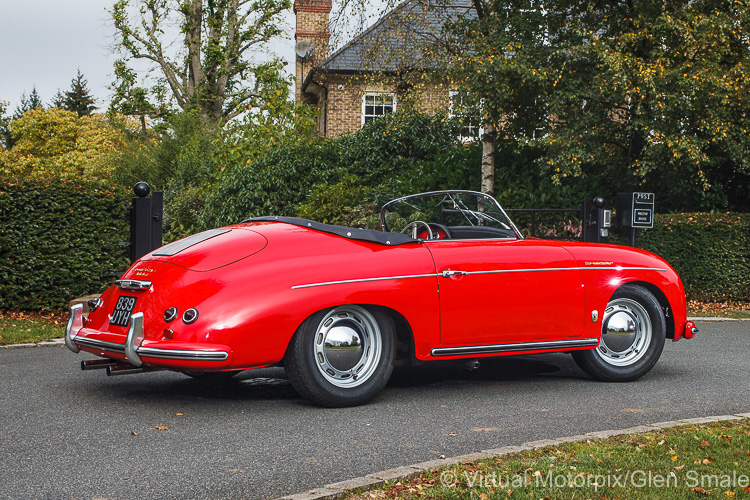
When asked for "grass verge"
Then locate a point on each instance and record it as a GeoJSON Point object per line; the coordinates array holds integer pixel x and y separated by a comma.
{"type": "Point", "coordinates": [730, 309]}
{"type": "Point", "coordinates": [696, 461]}
{"type": "Point", "coordinates": [20, 328]}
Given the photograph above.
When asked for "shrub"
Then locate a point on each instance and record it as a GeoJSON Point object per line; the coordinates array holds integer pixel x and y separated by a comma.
{"type": "Point", "coordinates": [710, 252]}
{"type": "Point", "coordinates": [346, 203]}
{"type": "Point", "coordinates": [59, 239]}
{"type": "Point", "coordinates": [274, 184]}
{"type": "Point", "coordinates": [380, 157]}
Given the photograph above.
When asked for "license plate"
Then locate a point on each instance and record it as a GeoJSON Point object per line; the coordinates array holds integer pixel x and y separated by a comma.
{"type": "Point", "coordinates": [123, 310]}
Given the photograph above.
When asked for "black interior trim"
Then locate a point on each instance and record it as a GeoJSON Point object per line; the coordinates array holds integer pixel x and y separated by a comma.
{"type": "Point", "coordinates": [479, 233]}
{"type": "Point", "coordinates": [352, 233]}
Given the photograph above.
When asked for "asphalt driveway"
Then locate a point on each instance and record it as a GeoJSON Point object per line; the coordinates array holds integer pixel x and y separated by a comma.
{"type": "Point", "coordinates": [72, 434]}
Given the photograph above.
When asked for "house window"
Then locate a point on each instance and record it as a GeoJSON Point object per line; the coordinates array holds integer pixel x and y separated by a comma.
{"type": "Point", "coordinates": [470, 129]}
{"type": "Point", "coordinates": [377, 104]}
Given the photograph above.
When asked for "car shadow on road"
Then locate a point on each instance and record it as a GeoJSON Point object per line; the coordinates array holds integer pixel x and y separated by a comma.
{"type": "Point", "coordinates": [271, 384]}
{"type": "Point", "coordinates": [507, 368]}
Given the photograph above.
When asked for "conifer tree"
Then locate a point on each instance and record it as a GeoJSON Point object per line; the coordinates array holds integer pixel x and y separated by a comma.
{"type": "Point", "coordinates": [78, 99]}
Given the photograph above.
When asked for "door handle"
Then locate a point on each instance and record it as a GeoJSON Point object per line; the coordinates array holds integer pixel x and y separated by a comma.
{"type": "Point", "coordinates": [449, 273]}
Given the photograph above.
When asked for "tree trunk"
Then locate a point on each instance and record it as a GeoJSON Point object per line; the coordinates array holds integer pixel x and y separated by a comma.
{"type": "Point", "coordinates": [489, 146]}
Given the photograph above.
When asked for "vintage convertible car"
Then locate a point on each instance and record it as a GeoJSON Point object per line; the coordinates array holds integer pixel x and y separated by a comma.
{"type": "Point", "coordinates": [449, 277]}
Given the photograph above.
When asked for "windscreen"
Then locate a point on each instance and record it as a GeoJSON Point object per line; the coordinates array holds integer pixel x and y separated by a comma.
{"type": "Point", "coordinates": [454, 210]}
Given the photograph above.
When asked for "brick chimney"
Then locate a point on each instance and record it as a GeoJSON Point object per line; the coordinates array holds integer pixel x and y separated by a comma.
{"type": "Point", "coordinates": [312, 26]}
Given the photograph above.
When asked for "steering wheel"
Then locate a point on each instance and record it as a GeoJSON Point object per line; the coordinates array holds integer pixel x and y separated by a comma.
{"type": "Point", "coordinates": [439, 228]}
{"type": "Point", "coordinates": [414, 226]}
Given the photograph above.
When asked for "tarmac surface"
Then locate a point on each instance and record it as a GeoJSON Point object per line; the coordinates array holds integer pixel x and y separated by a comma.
{"type": "Point", "coordinates": [73, 434]}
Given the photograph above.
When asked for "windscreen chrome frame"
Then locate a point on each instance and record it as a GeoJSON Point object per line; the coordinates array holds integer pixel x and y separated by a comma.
{"type": "Point", "coordinates": [384, 209]}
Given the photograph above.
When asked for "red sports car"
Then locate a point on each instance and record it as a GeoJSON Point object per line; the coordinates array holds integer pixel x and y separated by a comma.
{"type": "Point", "coordinates": [449, 277]}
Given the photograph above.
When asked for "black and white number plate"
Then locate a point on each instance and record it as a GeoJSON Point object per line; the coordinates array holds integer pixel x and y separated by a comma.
{"type": "Point", "coordinates": [123, 310]}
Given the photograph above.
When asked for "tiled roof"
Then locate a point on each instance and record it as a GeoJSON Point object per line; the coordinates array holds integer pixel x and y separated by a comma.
{"type": "Point", "coordinates": [395, 41]}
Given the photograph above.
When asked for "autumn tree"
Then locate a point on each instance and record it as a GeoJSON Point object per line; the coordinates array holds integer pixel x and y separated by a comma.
{"type": "Point", "coordinates": [212, 69]}
{"type": "Point", "coordinates": [638, 95]}
{"type": "Point", "coordinates": [78, 99]}
{"type": "Point", "coordinates": [56, 142]}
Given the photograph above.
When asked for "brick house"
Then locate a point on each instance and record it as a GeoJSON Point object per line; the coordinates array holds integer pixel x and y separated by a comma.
{"type": "Point", "coordinates": [375, 73]}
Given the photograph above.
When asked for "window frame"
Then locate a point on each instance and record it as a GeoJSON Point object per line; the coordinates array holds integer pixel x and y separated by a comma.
{"type": "Point", "coordinates": [376, 94]}
{"type": "Point", "coordinates": [452, 114]}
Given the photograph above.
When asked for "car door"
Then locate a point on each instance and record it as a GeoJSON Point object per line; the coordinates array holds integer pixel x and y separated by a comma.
{"type": "Point", "coordinates": [507, 291]}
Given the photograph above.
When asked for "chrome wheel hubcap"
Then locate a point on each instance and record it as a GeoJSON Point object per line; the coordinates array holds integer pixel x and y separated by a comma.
{"type": "Point", "coordinates": [626, 333]}
{"type": "Point", "coordinates": [348, 346]}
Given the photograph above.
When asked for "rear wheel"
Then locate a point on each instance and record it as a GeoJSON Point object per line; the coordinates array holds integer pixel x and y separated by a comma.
{"type": "Point", "coordinates": [633, 333]}
{"type": "Point", "coordinates": [342, 356]}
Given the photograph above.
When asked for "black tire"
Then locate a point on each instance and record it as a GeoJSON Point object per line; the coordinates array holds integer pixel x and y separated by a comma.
{"type": "Point", "coordinates": [342, 356]}
{"type": "Point", "coordinates": [633, 333]}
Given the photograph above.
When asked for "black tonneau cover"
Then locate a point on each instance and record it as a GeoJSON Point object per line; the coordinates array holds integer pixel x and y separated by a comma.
{"type": "Point", "coordinates": [352, 233]}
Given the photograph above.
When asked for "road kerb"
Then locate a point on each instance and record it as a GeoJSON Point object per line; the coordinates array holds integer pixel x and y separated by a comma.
{"type": "Point", "coordinates": [47, 343]}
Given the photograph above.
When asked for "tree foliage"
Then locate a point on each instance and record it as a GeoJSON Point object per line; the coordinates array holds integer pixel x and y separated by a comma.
{"type": "Point", "coordinates": [271, 121]}
{"type": "Point", "coordinates": [78, 99]}
{"type": "Point", "coordinates": [386, 157]}
{"type": "Point", "coordinates": [212, 70]}
{"type": "Point", "coordinates": [32, 101]}
{"type": "Point", "coordinates": [638, 95]}
{"type": "Point", "coordinates": [55, 142]}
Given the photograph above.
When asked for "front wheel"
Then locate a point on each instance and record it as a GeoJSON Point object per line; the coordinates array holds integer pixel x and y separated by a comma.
{"type": "Point", "coordinates": [342, 356]}
{"type": "Point", "coordinates": [633, 333]}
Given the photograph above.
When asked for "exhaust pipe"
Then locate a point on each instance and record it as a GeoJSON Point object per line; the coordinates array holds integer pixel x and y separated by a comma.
{"type": "Point", "coordinates": [97, 364]}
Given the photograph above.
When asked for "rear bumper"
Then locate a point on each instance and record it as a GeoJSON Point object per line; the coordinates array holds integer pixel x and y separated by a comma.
{"type": "Point", "coordinates": [138, 351]}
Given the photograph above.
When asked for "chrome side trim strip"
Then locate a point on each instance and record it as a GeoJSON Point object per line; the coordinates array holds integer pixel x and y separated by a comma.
{"type": "Point", "coordinates": [499, 271]}
{"type": "Point", "coordinates": [100, 344]}
{"type": "Point", "coordinates": [536, 270]}
{"type": "Point", "coordinates": [133, 284]}
{"type": "Point", "coordinates": [515, 347]}
{"type": "Point", "coordinates": [621, 268]}
{"type": "Point", "coordinates": [541, 269]}
{"type": "Point", "coordinates": [151, 352]}
{"type": "Point", "coordinates": [364, 280]}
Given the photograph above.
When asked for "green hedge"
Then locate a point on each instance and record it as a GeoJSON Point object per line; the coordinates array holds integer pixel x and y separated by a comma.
{"type": "Point", "coordinates": [59, 239]}
{"type": "Point", "coordinates": [711, 252]}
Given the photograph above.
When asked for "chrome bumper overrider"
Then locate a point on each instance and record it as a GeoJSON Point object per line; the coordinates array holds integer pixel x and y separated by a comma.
{"type": "Point", "coordinates": [75, 323]}
{"type": "Point", "coordinates": [132, 348]}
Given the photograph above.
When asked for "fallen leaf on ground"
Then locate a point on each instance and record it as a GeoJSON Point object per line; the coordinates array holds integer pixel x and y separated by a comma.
{"type": "Point", "coordinates": [700, 491]}
{"type": "Point", "coordinates": [161, 427]}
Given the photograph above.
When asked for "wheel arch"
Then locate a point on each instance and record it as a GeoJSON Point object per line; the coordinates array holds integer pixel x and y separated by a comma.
{"type": "Point", "coordinates": [661, 298]}
{"type": "Point", "coordinates": [405, 351]}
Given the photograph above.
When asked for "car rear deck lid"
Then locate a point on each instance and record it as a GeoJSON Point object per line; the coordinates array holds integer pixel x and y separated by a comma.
{"type": "Point", "coordinates": [210, 249]}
